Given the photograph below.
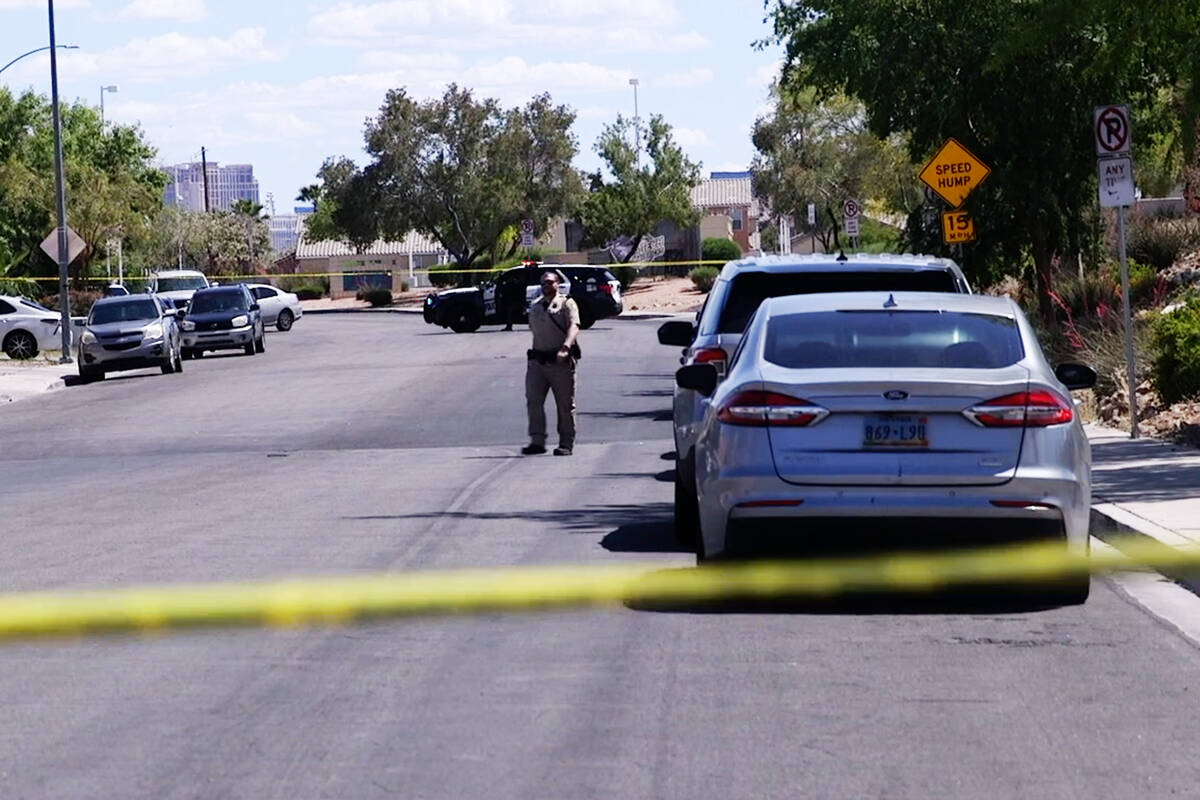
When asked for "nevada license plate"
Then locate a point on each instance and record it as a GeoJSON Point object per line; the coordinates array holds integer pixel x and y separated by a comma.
{"type": "Point", "coordinates": [896, 431]}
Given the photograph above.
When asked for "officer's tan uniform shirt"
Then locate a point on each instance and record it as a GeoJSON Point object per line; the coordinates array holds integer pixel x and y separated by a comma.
{"type": "Point", "coordinates": [546, 334]}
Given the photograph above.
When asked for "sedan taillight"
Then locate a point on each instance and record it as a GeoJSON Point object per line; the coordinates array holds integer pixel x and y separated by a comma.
{"type": "Point", "coordinates": [1036, 409]}
{"type": "Point", "coordinates": [761, 409]}
{"type": "Point", "coordinates": [711, 355]}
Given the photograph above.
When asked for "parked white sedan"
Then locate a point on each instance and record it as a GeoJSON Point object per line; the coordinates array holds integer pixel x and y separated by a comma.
{"type": "Point", "coordinates": [278, 308]}
{"type": "Point", "coordinates": [26, 327]}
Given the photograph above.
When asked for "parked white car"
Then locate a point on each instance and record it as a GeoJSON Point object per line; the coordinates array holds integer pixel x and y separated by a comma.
{"type": "Point", "coordinates": [27, 328]}
{"type": "Point", "coordinates": [279, 308]}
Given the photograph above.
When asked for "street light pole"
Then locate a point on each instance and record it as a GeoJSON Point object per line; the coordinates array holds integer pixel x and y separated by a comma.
{"type": "Point", "coordinates": [637, 135]}
{"type": "Point", "coordinates": [61, 196]}
{"type": "Point", "coordinates": [38, 50]}
{"type": "Point", "coordinates": [103, 89]}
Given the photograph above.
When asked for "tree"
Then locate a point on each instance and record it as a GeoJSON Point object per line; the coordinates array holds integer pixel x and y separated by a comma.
{"type": "Point", "coordinates": [310, 194]}
{"type": "Point", "coordinates": [1014, 82]}
{"type": "Point", "coordinates": [461, 171]}
{"type": "Point", "coordinates": [113, 189]}
{"type": "Point", "coordinates": [637, 197]}
{"type": "Point", "coordinates": [820, 151]}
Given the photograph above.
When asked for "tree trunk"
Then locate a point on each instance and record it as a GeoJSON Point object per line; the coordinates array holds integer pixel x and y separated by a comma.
{"type": "Point", "coordinates": [1043, 267]}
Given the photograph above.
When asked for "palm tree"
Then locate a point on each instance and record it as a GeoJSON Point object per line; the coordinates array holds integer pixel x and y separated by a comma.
{"type": "Point", "coordinates": [310, 194]}
{"type": "Point", "coordinates": [247, 207]}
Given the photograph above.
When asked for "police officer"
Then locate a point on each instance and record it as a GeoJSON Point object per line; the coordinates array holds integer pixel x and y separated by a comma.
{"type": "Point", "coordinates": [554, 323]}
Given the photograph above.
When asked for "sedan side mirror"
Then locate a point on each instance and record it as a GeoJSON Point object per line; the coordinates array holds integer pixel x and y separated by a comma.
{"type": "Point", "coordinates": [1076, 376]}
{"type": "Point", "coordinates": [254, 306]}
{"type": "Point", "coordinates": [678, 333]}
{"type": "Point", "coordinates": [702, 378]}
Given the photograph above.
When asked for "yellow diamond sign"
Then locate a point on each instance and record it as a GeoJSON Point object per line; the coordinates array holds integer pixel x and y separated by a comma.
{"type": "Point", "coordinates": [954, 172]}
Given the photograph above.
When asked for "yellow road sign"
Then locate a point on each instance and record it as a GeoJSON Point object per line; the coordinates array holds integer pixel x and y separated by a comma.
{"type": "Point", "coordinates": [957, 227]}
{"type": "Point", "coordinates": [953, 172]}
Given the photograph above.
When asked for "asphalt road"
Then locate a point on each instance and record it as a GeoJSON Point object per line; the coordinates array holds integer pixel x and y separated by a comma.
{"type": "Point", "coordinates": [365, 443]}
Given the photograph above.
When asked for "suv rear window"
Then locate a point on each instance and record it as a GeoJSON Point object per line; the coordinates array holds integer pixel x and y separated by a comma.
{"type": "Point", "coordinates": [749, 289]}
{"type": "Point", "coordinates": [945, 339]}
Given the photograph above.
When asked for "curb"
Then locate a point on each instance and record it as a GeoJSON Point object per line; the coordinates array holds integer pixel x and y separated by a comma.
{"type": "Point", "coordinates": [1111, 524]}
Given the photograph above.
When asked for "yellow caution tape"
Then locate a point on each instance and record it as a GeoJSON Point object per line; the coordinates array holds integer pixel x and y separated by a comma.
{"type": "Point", "coordinates": [337, 601]}
{"type": "Point", "coordinates": [395, 268]}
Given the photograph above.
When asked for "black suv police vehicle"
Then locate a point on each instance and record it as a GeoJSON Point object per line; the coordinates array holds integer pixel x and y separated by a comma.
{"type": "Point", "coordinates": [595, 290]}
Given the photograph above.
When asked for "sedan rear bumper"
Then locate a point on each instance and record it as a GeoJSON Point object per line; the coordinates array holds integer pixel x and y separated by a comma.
{"type": "Point", "coordinates": [1028, 506]}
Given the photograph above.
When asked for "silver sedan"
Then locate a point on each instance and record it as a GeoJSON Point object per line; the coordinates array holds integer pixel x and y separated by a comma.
{"type": "Point", "coordinates": [902, 419]}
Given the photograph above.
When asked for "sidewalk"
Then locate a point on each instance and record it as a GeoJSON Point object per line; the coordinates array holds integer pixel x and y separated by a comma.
{"type": "Point", "coordinates": [22, 379]}
{"type": "Point", "coordinates": [1147, 486]}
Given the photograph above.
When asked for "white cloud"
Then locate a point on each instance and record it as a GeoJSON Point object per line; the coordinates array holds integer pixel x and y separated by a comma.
{"type": "Point", "coordinates": [428, 26]}
{"type": "Point", "coordinates": [688, 79]}
{"type": "Point", "coordinates": [6, 5]}
{"type": "Point", "coordinates": [176, 10]}
{"type": "Point", "coordinates": [175, 54]}
{"type": "Point", "coordinates": [690, 138]}
{"type": "Point", "coordinates": [765, 75]}
{"type": "Point", "coordinates": [514, 71]}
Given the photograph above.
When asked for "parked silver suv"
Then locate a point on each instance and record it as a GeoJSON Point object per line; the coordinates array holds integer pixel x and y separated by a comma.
{"type": "Point", "coordinates": [129, 332]}
{"type": "Point", "coordinates": [738, 292]}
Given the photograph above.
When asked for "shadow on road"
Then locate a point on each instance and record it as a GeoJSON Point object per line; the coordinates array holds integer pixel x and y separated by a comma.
{"type": "Point", "coordinates": [975, 600]}
{"type": "Point", "coordinates": [585, 518]}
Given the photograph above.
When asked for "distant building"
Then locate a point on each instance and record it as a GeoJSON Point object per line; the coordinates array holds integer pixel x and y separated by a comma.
{"type": "Point", "coordinates": [285, 230]}
{"type": "Point", "coordinates": [731, 195]}
{"type": "Point", "coordinates": [185, 186]}
{"type": "Point", "coordinates": [384, 263]}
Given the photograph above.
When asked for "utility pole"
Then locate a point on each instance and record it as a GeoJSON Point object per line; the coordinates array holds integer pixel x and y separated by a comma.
{"type": "Point", "coordinates": [64, 296]}
{"type": "Point", "coordinates": [204, 169]}
{"type": "Point", "coordinates": [637, 134]}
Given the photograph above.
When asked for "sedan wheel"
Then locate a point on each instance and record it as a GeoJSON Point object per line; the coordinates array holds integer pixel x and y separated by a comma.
{"type": "Point", "coordinates": [20, 345]}
{"type": "Point", "coordinates": [284, 321]}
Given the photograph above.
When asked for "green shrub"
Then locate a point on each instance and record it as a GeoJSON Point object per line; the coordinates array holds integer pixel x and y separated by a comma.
{"type": "Point", "coordinates": [1176, 338]}
{"type": "Point", "coordinates": [375, 295]}
{"type": "Point", "coordinates": [306, 287]}
{"type": "Point", "coordinates": [703, 277]}
{"type": "Point", "coordinates": [626, 275]}
{"type": "Point", "coordinates": [714, 249]}
{"type": "Point", "coordinates": [1142, 279]}
{"type": "Point", "coordinates": [1160, 242]}
{"type": "Point", "coordinates": [445, 275]}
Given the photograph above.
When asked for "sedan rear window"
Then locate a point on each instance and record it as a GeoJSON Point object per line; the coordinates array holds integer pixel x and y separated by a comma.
{"type": "Point", "coordinates": [749, 289]}
{"type": "Point", "coordinates": [945, 340]}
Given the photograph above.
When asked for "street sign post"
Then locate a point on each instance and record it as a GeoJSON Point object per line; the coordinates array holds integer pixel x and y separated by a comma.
{"type": "Point", "coordinates": [75, 245]}
{"type": "Point", "coordinates": [1111, 124]}
{"type": "Point", "coordinates": [1117, 190]}
{"type": "Point", "coordinates": [1116, 182]}
{"type": "Point", "coordinates": [954, 172]}
{"type": "Point", "coordinates": [850, 214]}
{"type": "Point", "coordinates": [957, 227]}
{"type": "Point", "coordinates": [812, 221]}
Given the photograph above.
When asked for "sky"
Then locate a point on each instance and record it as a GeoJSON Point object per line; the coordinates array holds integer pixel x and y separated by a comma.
{"type": "Point", "coordinates": [285, 85]}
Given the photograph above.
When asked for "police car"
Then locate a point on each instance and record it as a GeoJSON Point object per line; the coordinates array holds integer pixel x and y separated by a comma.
{"type": "Point", "coordinates": [595, 290]}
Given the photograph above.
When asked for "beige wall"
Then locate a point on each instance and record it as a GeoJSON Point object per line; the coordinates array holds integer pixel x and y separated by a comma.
{"type": "Point", "coordinates": [396, 264]}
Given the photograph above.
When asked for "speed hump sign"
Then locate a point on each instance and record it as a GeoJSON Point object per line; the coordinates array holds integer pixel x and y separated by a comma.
{"type": "Point", "coordinates": [958, 227]}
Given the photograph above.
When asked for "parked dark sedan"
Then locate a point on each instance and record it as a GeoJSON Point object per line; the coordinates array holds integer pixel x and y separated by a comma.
{"type": "Point", "coordinates": [222, 318]}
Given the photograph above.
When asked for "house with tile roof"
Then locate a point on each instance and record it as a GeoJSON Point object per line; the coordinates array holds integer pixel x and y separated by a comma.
{"type": "Point", "coordinates": [729, 195]}
{"type": "Point", "coordinates": [384, 263]}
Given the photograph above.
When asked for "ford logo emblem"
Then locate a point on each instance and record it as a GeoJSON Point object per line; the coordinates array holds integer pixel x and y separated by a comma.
{"type": "Point", "coordinates": [896, 394]}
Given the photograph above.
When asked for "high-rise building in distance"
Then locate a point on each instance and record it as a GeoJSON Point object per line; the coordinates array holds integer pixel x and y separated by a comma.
{"type": "Point", "coordinates": [185, 187]}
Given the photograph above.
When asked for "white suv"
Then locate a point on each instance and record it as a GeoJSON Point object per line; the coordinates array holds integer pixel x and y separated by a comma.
{"type": "Point", "coordinates": [177, 285]}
